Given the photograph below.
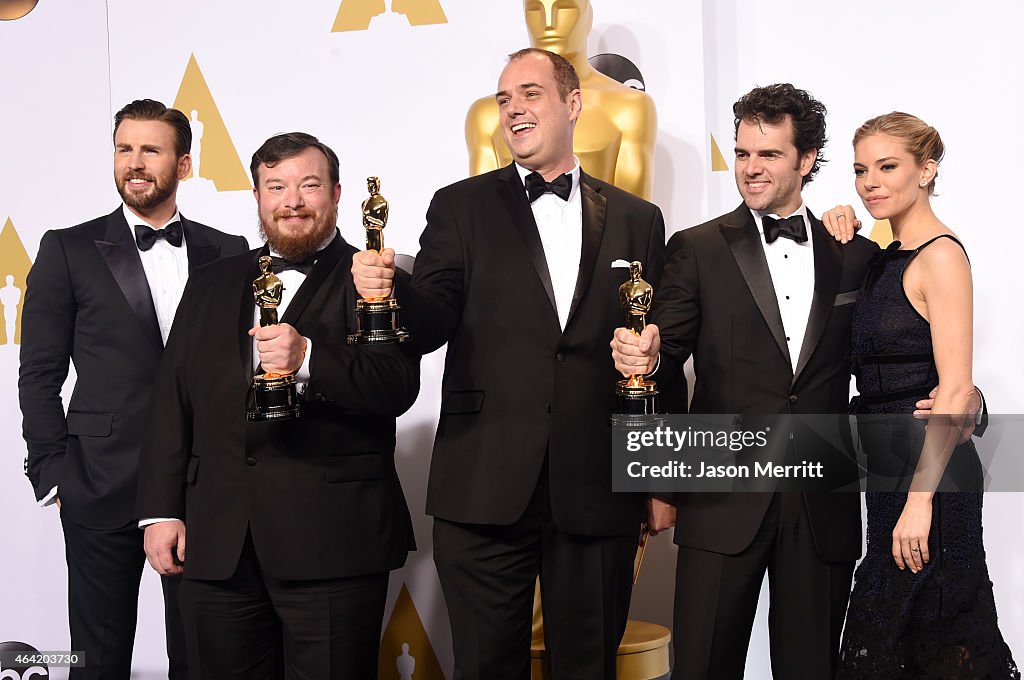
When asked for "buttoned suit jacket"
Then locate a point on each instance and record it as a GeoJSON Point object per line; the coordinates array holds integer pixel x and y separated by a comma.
{"type": "Point", "coordinates": [718, 303]}
{"type": "Point", "coordinates": [88, 301]}
{"type": "Point", "coordinates": [319, 494]}
{"type": "Point", "coordinates": [517, 388]}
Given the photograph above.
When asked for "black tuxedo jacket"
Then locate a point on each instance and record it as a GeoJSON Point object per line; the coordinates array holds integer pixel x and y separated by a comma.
{"type": "Point", "coordinates": [717, 302]}
{"type": "Point", "coordinates": [320, 494]}
{"type": "Point", "coordinates": [88, 300]}
{"type": "Point", "coordinates": [517, 388]}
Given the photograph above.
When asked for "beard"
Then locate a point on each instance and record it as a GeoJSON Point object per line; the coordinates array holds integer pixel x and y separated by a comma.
{"type": "Point", "coordinates": [161, 190]}
{"type": "Point", "coordinates": [298, 247]}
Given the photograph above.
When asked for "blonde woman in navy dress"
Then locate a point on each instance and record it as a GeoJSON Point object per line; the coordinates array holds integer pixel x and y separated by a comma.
{"type": "Point", "coordinates": [922, 604]}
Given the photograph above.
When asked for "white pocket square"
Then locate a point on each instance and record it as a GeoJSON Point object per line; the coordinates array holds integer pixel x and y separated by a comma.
{"type": "Point", "coordinates": [620, 263]}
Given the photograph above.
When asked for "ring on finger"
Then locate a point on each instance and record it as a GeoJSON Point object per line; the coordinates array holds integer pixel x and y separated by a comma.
{"type": "Point", "coordinates": [839, 214]}
{"type": "Point", "coordinates": [916, 549]}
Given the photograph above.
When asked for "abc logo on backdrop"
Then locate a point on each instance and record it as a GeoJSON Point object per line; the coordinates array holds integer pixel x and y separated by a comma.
{"type": "Point", "coordinates": [15, 672]}
{"type": "Point", "coordinates": [619, 68]}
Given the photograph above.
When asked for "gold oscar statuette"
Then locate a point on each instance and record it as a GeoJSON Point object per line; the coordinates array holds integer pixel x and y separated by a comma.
{"type": "Point", "coordinates": [635, 395]}
{"type": "Point", "coordinates": [376, 317]}
{"type": "Point", "coordinates": [272, 396]}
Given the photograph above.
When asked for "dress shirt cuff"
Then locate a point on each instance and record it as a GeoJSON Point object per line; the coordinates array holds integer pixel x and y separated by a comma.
{"type": "Point", "coordinates": [143, 523]}
{"type": "Point", "coordinates": [50, 499]}
{"type": "Point", "coordinates": [302, 375]}
{"type": "Point", "coordinates": [657, 365]}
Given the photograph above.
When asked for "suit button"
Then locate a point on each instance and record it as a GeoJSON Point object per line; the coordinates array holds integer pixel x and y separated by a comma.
{"type": "Point", "coordinates": [250, 461]}
{"type": "Point", "coordinates": [793, 399]}
{"type": "Point", "coordinates": [547, 407]}
{"type": "Point", "coordinates": [560, 356]}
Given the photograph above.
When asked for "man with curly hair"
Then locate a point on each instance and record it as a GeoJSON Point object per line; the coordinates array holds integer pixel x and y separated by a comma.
{"type": "Point", "coordinates": [761, 298]}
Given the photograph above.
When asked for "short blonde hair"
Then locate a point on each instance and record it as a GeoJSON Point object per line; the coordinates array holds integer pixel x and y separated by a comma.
{"type": "Point", "coordinates": [919, 138]}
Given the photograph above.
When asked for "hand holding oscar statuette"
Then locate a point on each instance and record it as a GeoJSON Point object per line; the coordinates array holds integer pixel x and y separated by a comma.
{"type": "Point", "coordinates": [635, 395]}
{"type": "Point", "coordinates": [272, 396]}
{"type": "Point", "coordinates": [376, 317]}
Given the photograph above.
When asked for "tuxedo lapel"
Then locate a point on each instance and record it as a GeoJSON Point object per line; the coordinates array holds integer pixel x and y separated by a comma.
{"type": "Point", "coordinates": [200, 250]}
{"type": "Point", "coordinates": [828, 267]}
{"type": "Point", "coordinates": [122, 257]}
{"type": "Point", "coordinates": [595, 209]}
{"type": "Point", "coordinates": [326, 262]}
{"type": "Point", "coordinates": [740, 231]}
{"type": "Point", "coordinates": [514, 196]}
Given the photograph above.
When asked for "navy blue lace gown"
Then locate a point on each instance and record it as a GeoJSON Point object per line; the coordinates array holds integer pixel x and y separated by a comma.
{"type": "Point", "coordinates": [940, 622]}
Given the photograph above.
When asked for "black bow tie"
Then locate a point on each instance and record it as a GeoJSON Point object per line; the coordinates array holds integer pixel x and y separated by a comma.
{"type": "Point", "coordinates": [792, 228]}
{"type": "Point", "coordinates": [537, 187]}
{"type": "Point", "coordinates": [146, 236]}
{"type": "Point", "coordinates": [279, 264]}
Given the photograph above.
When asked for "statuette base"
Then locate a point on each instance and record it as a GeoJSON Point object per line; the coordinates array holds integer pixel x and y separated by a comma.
{"type": "Point", "coordinates": [377, 323]}
{"type": "Point", "coordinates": [274, 397]}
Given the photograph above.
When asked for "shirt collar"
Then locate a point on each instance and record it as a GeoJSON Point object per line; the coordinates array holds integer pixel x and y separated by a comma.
{"type": "Point", "coordinates": [132, 219]}
{"type": "Point", "coordinates": [802, 211]}
{"type": "Point", "coordinates": [574, 174]}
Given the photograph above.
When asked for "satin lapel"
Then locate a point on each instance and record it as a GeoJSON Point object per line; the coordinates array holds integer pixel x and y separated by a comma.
{"type": "Point", "coordinates": [122, 256]}
{"type": "Point", "coordinates": [247, 312]}
{"type": "Point", "coordinates": [828, 268]}
{"type": "Point", "coordinates": [200, 251]}
{"type": "Point", "coordinates": [326, 262]}
{"type": "Point", "coordinates": [595, 209]}
{"type": "Point", "coordinates": [514, 196]}
{"type": "Point", "coordinates": [740, 230]}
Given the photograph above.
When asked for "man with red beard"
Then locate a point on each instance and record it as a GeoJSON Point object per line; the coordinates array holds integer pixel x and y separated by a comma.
{"type": "Point", "coordinates": [103, 294]}
{"type": "Point", "coordinates": [292, 525]}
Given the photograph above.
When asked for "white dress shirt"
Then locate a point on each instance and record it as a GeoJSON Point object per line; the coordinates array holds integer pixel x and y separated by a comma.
{"type": "Point", "coordinates": [791, 265]}
{"type": "Point", "coordinates": [560, 225]}
{"type": "Point", "coordinates": [166, 269]}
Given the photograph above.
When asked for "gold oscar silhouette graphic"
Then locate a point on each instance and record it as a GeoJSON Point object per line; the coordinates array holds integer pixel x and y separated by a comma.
{"type": "Point", "coordinates": [218, 160]}
{"type": "Point", "coordinates": [615, 133]}
{"type": "Point", "coordinates": [14, 266]}
{"type": "Point", "coordinates": [273, 396]}
{"type": "Point", "coordinates": [405, 650]}
{"type": "Point", "coordinates": [356, 15]}
{"type": "Point", "coordinates": [718, 163]}
{"type": "Point", "coordinates": [376, 317]}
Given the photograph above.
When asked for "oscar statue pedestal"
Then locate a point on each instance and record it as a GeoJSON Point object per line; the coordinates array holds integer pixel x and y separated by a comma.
{"type": "Point", "coordinates": [642, 655]}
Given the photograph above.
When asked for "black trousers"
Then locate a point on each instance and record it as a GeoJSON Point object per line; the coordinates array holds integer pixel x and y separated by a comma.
{"type": "Point", "coordinates": [255, 627]}
{"type": "Point", "coordinates": [487, 574]}
{"type": "Point", "coordinates": [104, 571]}
{"type": "Point", "coordinates": [716, 599]}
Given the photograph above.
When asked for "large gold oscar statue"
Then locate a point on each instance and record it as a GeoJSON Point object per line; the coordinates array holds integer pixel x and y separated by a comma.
{"type": "Point", "coordinates": [615, 134]}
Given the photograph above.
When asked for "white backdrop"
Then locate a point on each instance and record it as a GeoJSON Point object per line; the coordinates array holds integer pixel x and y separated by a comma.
{"type": "Point", "coordinates": [391, 100]}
